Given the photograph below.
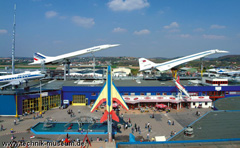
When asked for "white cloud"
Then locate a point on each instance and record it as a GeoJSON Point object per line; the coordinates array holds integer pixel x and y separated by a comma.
{"type": "Point", "coordinates": [174, 30]}
{"type": "Point", "coordinates": [119, 30]}
{"type": "Point", "coordinates": [51, 14]}
{"type": "Point", "coordinates": [198, 30]}
{"type": "Point", "coordinates": [185, 35]}
{"type": "Point", "coordinates": [217, 27]}
{"type": "Point", "coordinates": [83, 21]}
{"type": "Point", "coordinates": [129, 5]}
{"type": "Point", "coordinates": [3, 31]}
{"type": "Point", "coordinates": [142, 32]}
{"type": "Point", "coordinates": [172, 25]}
{"type": "Point", "coordinates": [215, 37]}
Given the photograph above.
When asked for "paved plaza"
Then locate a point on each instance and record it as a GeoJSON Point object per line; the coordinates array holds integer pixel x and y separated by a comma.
{"type": "Point", "coordinates": [159, 124]}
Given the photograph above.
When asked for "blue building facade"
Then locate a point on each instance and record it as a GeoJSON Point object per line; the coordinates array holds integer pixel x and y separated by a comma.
{"type": "Point", "coordinates": [91, 92]}
{"type": "Point", "coordinates": [7, 105]}
{"type": "Point", "coordinates": [27, 103]}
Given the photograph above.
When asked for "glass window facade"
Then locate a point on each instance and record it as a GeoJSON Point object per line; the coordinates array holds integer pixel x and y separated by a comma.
{"type": "Point", "coordinates": [34, 104]}
{"type": "Point", "coordinates": [30, 105]}
{"type": "Point", "coordinates": [79, 99]}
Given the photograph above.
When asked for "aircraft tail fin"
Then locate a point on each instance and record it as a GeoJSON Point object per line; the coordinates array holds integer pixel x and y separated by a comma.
{"type": "Point", "coordinates": [105, 116]}
{"type": "Point", "coordinates": [114, 116]}
{"type": "Point", "coordinates": [145, 64]}
{"type": "Point", "coordinates": [38, 56]}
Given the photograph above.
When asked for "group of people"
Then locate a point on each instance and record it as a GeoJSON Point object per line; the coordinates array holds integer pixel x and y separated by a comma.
{"type": "Point", "coordinates": [71, 113]}
{"type": "Point", "coordinates": [137, 129]}
{"type": "Point", "coordinates": [38, 115]}
{"type": "Point", "coordinates": [147, 126]}
{"type": "Point", "coordinates": [173, 133]}
{"type": "Point", "coordinates": [170, 122]}
{"type": "Point", "coordinates": [198, 113]}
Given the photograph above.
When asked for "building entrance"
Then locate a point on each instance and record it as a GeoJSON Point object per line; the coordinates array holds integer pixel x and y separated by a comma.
{"type": "Point", "coordinates": [79, 100]}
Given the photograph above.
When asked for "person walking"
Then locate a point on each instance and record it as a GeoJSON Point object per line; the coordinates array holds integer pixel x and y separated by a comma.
{"type": "Point", "coordinates": [15, 122]}
{"type": "Point", "coordinates": [67, 136]}
{"type": "Point", "coordinates": [1, 127]}
{"type": "Point", "coordinates": [149, 129]}
{"type": "Point", "coordinates": [148, 136]}
{"type": "Point", "coordinates": [132, 130]}
{"type": "Point", "coordinates": [40, 114]}
{"type": "Point", "coordinates": [169, 122]}
{"type": "Point", "coordinates": [173, 123]}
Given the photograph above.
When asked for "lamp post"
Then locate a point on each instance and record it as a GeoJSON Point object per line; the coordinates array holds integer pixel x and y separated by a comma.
{"type": "Point", "coordinates": [93, 65]}
{"type": "Point", "coordinates": [40, 101]}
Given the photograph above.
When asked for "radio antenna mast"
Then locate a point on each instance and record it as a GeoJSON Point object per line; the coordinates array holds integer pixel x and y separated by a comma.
{"type": "Point", "coordinates": [13, 41]}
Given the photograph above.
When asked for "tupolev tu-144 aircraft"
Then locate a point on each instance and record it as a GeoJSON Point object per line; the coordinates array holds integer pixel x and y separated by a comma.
{"type": "Point", "coordinates": [42, 59]}
{"type": "Point", "coordinates": [146, 64]}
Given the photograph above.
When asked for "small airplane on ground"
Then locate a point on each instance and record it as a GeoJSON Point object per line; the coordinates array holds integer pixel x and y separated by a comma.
{"type": "Point", "coordinates": [108, 94]}
{"type": "Point", "coordinates": [17, 79]}
{"type": "Point", "coordinates": [42, 59]}
{"type": "Point", "coordinates": [146, 64]}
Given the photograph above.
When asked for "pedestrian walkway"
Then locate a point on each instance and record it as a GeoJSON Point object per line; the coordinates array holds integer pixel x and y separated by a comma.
{"type": "Point", "coordinates": [158, 125]}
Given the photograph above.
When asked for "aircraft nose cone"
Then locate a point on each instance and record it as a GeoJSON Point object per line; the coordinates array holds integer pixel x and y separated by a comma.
{"type": "Point", "coordinates": [114, 45]}
{"type": "Point", "coordinates": [221, 51]}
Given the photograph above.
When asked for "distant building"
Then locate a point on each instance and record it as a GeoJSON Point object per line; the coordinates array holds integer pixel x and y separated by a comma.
{"type": "Point", "coordinates": [214, 81]}
{"type": "Point", "coordinates": [121, 72]}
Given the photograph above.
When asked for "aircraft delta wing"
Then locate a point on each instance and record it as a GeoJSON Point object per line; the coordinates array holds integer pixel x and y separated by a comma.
{"type": "Point", "coordinates": [109, 94]}
{"type": "Point", "coordinates": [39, 58]}
{"type": "Point", "coordinates": [146, 64]}
{"type": "Point", "coordinates": [17, 79]}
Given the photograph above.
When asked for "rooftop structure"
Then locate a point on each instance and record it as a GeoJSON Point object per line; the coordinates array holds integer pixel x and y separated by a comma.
{"type": "Point", "coordinates": [232, 103]}
{"type": "Point", "coordinates": [214, 125]}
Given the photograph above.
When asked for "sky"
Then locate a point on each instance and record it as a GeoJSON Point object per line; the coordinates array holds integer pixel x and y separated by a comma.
{"type": "Point", "coordinates": [144, 28]}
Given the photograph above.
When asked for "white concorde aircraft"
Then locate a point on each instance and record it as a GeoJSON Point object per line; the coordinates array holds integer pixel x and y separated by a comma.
{"type": "Point", "coordinates": [17, 79]}
{"type": "Point", "coordinates": [39, 58]}
{"type": "Point", "coordinates": [146, 64]}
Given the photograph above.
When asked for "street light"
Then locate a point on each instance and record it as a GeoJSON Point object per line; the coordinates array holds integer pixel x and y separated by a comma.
{"type": "Point", "coordinates": [40, 101]}
{"type": "Point", "coordinates": [93, 65]}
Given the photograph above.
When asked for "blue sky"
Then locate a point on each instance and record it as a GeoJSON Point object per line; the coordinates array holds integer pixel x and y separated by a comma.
{"type": "Point", "coordinates": [144, 28]}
